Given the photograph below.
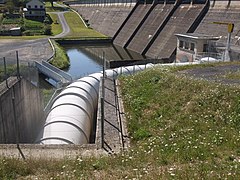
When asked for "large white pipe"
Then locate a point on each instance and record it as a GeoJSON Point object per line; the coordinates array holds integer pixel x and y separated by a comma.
{"type": "Point", "coordinates": [71, 116]}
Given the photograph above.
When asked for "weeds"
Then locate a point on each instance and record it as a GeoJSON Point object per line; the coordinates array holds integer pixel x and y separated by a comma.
{"type": "Point", "coordinates": [181, 128]}
{"type": "Point", "coordinates": [78, 30]}
{"type": "Point", "coordinates": [60, 60]}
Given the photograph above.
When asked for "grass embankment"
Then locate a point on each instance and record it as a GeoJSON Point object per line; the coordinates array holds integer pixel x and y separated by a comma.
{"type": "Point", "coordinates": [60, 59]}
{"type": "Point", "coordinates": [55, 26]}
{"type": "Point", "coordinates": [78, 29]}
{"type": "Point", "coordinates": [1, 18]}
{"type": "Point", "coordinates": [55, 8]}
{"type": "Point", "coordinates": [11, 69]}
{"type": "Point", "coordinates": [181, 128]}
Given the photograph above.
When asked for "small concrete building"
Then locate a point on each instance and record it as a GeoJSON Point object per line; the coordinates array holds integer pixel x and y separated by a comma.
{"type": "Point", "coordinates": [35, 9]}
{"type": "Point", "coordinates": [193, 46]}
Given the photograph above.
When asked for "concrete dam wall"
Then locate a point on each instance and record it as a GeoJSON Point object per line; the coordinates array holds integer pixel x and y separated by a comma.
{"type": "Point", "coordinates": [21, 111]}
{"type": "Point", "coordinates": [180, 22]}
{"type": "Point", "coordinates": [150, 28]}
{"type": "Point", "coordinates": [105, 19]}
{"type": "Point", "coordinates": [132, 23]}
{"type": "Point", "coordinates": [221, 11]}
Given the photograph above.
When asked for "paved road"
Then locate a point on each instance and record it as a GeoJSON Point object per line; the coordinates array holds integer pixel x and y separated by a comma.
{"type": "Point", "coordinates": [28, 50]}
{"type": "Point", "coordinates": [65, 27]}
{"type": "Point", "coordinates": [215, 73]}
{"type": "Point", "coordinates": [31, 50]}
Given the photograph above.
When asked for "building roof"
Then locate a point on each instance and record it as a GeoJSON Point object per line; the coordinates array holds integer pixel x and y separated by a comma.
{"type": "Point", "coordinates": [198, 36]}
{"type": "Point", "coordinates": [35, 0]}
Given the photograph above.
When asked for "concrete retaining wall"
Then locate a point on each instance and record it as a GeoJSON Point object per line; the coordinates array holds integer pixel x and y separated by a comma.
{"type": "Point", "coordinates": [21, 111]}
{"type": "Point", "coordinates": [221, 12]}
{"type": "Point", "coordinates": [132, 24]}
{"type": "Point", "coordinates": [180, 22]}
{"type": "Point", "coordinates": [105, 19]}
{"type": "Point", "coordinates": [37, 151]}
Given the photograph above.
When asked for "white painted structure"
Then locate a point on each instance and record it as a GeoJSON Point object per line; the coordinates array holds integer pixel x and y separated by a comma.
{"type": "Point", "coordinates": [190, 45]}
{"type": "Point", "coordinates": [35, 9]}
{"type": "Point", "coordinates": [70, 118]}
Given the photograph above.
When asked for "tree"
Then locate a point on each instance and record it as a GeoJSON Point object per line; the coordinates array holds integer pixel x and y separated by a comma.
{"type": "Point", "coordinates": [51, 1]}
{"type": "Point", "coordinates": [22, 3]}
{"type": "Point", "coordinates": [10, 6]}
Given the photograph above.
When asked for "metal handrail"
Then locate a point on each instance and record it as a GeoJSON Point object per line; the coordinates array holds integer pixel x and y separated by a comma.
{"type": "Point", "coordinates": [217, 56]}
{"type": "Point", "coordinates": [118, 113]}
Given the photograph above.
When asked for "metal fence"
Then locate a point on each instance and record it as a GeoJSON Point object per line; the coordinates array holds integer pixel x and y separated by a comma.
{"type": "Point", "coordinates": [209, 56]}
{"type": "Point", "coordinates": [12, 66]}
{"type": "Point", "coordinates": [69, 2]}
{"type": "Point", "coordinates": [21, 103]}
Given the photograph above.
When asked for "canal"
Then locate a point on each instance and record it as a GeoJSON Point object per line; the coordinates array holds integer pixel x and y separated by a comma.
{"type": "Point", "coordinates": [88, 59]}
{"type": "Point", "coordinates": [85, 60]}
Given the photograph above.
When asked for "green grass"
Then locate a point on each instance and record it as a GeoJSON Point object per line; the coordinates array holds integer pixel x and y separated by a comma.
{"type": "Point", "coordinates": [78, 30]}
{"type": "Point", "coordinates": [1, 17]}
{"type": "Point", "coordinates": [11, 70]}
{"type": "Point", "coordinates": [56, 26]}
{"type": "Point", "coordinates": [47, 94]}
{"type": "Point", "coordinates": [60, 59]}
{"type": "Point", "coordinates": [23, 37]}
{"type": "Point", "coordinates": [32, 25]}
{"type": "Point", "coordinates": [12, 21]}
{"type": "Point", "coordinates": [55, 8]}
{"type": "Point", "coordinates": [232, 75]}
{"type": "Point", "coordinates": [180, 128]}
{"type": "Point", "coordinates": [190, 122]}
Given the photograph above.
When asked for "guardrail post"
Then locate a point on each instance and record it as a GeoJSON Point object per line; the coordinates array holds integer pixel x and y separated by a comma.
{"type": "Point", "coordinates": [5, 71]}
{"type": "Point", "coordinates": [102, 101]}
{"type": "Point", "coordinates": [18, 71]}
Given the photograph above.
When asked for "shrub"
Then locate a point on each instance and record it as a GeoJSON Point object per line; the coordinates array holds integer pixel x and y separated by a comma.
{"type": "Point", "coordinates": [47, 30]}
{"type": "Point", "coordinates": [48, 19]}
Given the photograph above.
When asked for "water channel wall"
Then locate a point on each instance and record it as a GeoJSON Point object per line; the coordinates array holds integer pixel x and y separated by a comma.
{"type": "Point", "coordinates": [21, 111]}
{"type": "Point", "coordinates": [85, 41]}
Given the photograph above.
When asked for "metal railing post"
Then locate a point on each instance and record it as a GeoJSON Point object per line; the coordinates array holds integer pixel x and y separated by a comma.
{"type": "Point", "coordinates": [18, 71]}
{"type": "Point", "coordinates": [102, 101]}
{"type": "Point", "coordinates": [5, 71]}
{"type": "Point", "coordinates": [16, 124]}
